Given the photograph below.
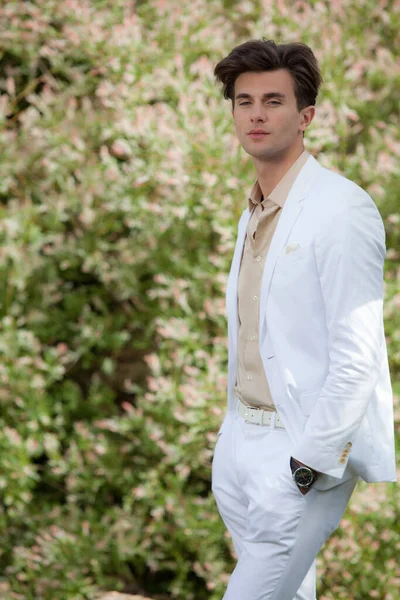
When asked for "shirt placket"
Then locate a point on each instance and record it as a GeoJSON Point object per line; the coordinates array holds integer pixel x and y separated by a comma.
{"type": "Point", "coordinates": [255, 250]}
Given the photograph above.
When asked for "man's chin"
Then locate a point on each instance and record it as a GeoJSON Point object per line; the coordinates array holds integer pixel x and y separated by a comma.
{"type": "Point", "coordinates": [264, 153]}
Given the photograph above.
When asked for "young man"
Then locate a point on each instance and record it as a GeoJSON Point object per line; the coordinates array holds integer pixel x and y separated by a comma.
{"type": "Point", "coordinates": [310, 406]}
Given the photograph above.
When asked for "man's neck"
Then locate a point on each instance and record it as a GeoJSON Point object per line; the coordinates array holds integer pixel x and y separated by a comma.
{"type": "Point", "coordinates": [270, 171]}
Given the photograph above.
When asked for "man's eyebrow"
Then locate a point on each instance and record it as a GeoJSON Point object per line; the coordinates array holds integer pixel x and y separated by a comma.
{"type": "Point", "coordinates": [265, 96]}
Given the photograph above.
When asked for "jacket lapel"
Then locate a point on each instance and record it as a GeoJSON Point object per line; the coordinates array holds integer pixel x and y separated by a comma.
{"type": "Point", "coordinates": [232, 285]}
{"type": "Point", "coordinates": [290, 213]}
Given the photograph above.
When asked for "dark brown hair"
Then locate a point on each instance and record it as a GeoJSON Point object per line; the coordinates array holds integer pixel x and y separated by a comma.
{"type": "Point", "coordinates": [266, 55]}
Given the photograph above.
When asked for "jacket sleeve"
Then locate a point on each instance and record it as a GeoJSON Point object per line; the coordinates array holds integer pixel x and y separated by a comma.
{"type": "Point", "coordinates": [350, 253]}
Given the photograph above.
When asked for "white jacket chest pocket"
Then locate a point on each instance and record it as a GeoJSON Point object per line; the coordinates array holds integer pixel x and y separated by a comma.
{"type": "Point", "coordinates": [293, 257]}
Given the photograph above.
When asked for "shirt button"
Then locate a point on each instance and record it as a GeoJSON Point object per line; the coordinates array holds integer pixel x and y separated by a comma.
{"type": "Point", "coordinates": [258, 258]}
{"type": "Point", "coordinates": [249, 377]}
{"type": "Point", "coordinates": [255, 298]}
{"type": "Point", "coordinates": [253, 337]}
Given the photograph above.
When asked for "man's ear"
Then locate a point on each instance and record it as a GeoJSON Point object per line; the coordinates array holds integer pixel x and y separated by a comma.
{"type": "Point", "coordinates": [307, 116]}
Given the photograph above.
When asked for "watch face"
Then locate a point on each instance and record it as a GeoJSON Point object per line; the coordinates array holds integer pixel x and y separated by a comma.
{"type": "Point", "coordinates": [303, 476]}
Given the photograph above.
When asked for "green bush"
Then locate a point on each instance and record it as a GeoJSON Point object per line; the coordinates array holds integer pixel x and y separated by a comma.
{"type": "Point", "coordinates": [121, 183]}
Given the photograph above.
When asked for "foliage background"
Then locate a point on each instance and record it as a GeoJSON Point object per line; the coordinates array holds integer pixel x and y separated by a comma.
{"type": "Point", "coordinates": [121, 183]}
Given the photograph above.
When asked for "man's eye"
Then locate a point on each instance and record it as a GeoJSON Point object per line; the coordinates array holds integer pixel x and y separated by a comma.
{"type": "Point", "coordinates": [275, 102]}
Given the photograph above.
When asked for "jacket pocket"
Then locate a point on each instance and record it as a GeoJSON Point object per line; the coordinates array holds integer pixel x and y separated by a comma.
{"type": "Point", "coordinates": [284, 261]}
{"type": "Point", "coordinates": [308, 399]}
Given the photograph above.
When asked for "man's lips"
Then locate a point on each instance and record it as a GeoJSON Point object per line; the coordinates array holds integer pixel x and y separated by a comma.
{"type": "Point", "coordinates": [257, 134]}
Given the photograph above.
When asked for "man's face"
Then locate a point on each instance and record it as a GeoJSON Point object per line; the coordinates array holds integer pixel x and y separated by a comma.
{"type": "Point", "coordinates": [266, 101]}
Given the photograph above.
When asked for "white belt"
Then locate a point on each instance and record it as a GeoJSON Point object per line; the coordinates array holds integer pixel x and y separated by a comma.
{"type": "Point", "coordinates": [259, 416]}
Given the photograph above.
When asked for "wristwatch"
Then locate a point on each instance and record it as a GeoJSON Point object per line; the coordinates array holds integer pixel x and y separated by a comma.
{"type": "Point", "coordinates": [303, 476]}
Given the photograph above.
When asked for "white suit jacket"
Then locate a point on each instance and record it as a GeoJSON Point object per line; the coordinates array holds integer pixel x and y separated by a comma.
{"type": "Point", "coordinates": [321, 334]}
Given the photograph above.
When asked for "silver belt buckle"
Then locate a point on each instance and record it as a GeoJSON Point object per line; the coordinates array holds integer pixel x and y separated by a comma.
{"type": "Point", "coordinates": [249, 413]}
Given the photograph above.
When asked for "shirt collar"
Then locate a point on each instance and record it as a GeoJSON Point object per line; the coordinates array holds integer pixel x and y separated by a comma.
{"type": "Point", "coordinates": [281, 191]}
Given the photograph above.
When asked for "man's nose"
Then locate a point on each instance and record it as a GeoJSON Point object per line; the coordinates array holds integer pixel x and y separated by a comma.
{"type": "Point", "coordinates": [258, 114]}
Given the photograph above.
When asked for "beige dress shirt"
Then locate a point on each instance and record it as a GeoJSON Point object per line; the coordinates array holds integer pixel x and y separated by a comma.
{"type": "Point", "coordinates": [251, 382]}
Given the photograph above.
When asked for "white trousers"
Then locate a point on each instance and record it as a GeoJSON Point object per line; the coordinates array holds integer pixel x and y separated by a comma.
{"type": "Point", "coordinates": [276, 531]}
